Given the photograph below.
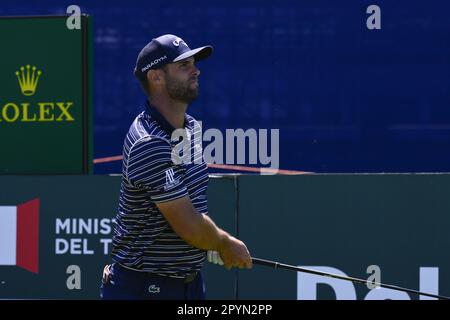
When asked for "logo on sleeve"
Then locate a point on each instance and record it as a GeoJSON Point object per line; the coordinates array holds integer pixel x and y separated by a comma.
{"type": "Point", "coordinates": [171, 182]}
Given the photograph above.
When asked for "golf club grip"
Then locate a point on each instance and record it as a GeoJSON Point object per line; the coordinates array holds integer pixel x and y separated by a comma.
{"type": "Point", "coordinates": [264, 262]}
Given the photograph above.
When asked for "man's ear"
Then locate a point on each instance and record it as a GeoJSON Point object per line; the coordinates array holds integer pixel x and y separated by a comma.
{"type": "Point", "coordinates": [151, 76]}
{"type": "Point", "coordinates": [154, 76]}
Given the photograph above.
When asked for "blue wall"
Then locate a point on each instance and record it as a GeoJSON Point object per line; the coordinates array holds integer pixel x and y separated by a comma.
{"type": "Point", "coordinates": [346, 99]}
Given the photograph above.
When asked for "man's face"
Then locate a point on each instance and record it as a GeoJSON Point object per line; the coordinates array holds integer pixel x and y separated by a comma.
{"type": "Point", "coordinates": [182, 80]}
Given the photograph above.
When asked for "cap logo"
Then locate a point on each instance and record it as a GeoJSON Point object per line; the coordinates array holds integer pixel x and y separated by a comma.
{"type": "Point", "coordinates": [177, 42]}
{"type": "Point", "coordinates": [154, 62]}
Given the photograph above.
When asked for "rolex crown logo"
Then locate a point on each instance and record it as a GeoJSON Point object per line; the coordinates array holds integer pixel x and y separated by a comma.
{"type": "Point", "coordinates": [28, 79]}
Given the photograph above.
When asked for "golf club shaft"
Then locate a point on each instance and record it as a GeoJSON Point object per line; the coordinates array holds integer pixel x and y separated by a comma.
{"type": "Point", "coordinates": [278, 265]}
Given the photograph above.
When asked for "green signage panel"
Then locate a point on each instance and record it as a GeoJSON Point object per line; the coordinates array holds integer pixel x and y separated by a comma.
{"type": "Point", "coordinates": [55, 234]}
{"type": "Point", "coordinates": [222, 199]}
{"type": "Point", "coordinates": [354, 225]}
{"type": "Point", "coordinates": [44, 120]}
{"type": "Point", "coordinates": [70, 218]}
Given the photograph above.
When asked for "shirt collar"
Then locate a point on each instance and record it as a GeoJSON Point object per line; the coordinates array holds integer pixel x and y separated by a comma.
{"type": "Point", "coordinates": [162, 122]}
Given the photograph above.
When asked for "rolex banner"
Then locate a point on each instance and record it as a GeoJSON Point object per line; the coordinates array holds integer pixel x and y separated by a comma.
{"type": "Point", "coordinates": [44, 104]}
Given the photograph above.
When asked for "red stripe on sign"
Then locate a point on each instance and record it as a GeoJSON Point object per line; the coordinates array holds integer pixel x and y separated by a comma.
{"type": "Point", "coordinates": [107, 159]}
{"type": "Point", "coordinates": [27, 248]}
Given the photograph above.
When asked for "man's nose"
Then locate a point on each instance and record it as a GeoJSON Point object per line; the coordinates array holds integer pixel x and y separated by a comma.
{"type": "Point", "coordinates": [196, 71]}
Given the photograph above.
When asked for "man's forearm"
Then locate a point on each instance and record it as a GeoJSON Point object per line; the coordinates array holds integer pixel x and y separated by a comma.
{"type": "Point", "coordinates": [204, 234]}
{"type": "Point", "coordinates": [195, 228]}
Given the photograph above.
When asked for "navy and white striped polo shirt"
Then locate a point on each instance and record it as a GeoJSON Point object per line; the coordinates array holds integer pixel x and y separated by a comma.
{"type": "Point", "coordinates": [143, 239]}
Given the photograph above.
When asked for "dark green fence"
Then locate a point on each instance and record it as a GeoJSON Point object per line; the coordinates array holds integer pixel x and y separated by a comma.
{"type": "Point", "coordinates": [343, 223]}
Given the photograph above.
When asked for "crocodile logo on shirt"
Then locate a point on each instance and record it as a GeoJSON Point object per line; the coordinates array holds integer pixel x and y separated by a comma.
{"type": "Point", "coordinates": [154, 289]}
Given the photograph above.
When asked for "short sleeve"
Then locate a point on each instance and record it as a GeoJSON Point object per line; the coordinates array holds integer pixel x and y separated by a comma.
{"type": "Point", "coordinates": [150, 167]}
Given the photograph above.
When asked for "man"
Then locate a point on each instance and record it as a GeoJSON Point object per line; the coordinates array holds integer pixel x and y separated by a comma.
{"type": "Point", "coordinates": [162, 228]}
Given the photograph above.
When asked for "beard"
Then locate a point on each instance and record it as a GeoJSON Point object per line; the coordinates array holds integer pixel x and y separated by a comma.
{"type": "Point", "coordinates": [181, 91]}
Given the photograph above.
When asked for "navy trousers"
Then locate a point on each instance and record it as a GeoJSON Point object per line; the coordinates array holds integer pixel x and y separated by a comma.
{"type": "Point", "coordinates": [126, 284]}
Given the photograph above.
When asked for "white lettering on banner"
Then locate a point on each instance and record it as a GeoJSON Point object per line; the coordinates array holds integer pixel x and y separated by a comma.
{"type": "Point", "coordinates": [61, 246]}
{"type": "Point", "coordinates": [345, 290]}
{"type": "Point", "coordinates": [307, 284]}
{"type": "Point", "coordinates": [386, 294]}
{"type": "Point", "coordinates": [106, 243]}
{"type": "Point", "coordinates": [83, 226]}
{"type": "Point", "coordinates": [72, 246]}
{"type": "Point", "coordinates": [82, 246]}
{"type": "Point", "coordinates": [429, 281]}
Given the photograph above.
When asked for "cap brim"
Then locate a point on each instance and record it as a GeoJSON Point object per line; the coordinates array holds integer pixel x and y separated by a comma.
{"type": "Point", "coordinates": [198, 54]}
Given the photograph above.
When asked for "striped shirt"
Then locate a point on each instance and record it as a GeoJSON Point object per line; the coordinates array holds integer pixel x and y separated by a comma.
{"type": "Point", "coordinates": [143, 239]}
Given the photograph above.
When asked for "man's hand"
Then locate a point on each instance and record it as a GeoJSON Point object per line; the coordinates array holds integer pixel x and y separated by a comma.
{"type": "Point", "coordinates": [106, 277]}
{"type": "Point", "coordinates": [234, 253]}
{"type": "Point", "coordinates": [214, 257]}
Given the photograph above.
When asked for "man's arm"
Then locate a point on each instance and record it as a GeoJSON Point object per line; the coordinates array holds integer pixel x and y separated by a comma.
{"type": "Point", "coordinates": [200, 231]}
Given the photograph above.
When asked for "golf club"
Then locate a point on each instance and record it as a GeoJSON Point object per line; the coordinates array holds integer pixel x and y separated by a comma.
{"type": "Point", "coordinates": [278, 265]}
